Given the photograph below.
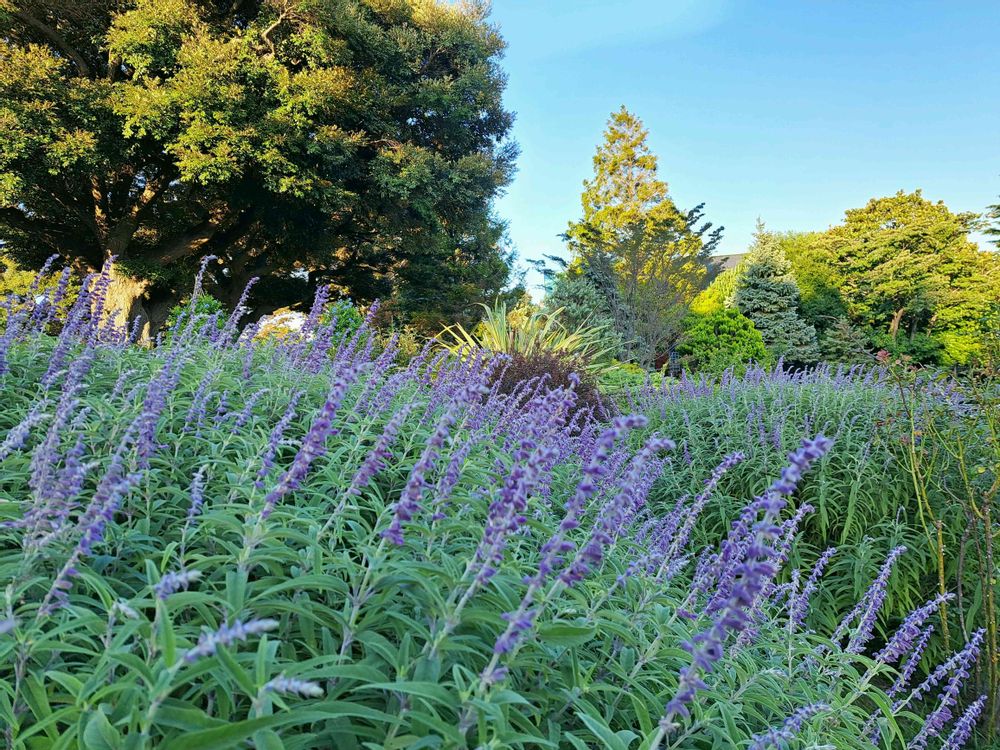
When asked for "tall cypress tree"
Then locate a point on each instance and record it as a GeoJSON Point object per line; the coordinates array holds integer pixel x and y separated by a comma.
{"type": "Point", "coordinates": [768, 295]}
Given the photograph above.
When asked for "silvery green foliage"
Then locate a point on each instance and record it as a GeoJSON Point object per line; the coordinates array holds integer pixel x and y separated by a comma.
{"type": "Point", "coordinates": [768, 294]}
{"type": "Point", "coordinates": [393, 556]}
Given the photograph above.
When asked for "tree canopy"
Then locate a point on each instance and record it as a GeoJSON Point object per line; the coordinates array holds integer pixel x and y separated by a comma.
{"type": "Point", "coordinates": [358, 143]}
{"type": "Point", "coordinates": [906, 264]}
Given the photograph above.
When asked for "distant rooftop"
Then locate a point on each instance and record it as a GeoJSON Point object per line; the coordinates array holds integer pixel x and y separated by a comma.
{"type": "Point", "coordinates": [726, 262]}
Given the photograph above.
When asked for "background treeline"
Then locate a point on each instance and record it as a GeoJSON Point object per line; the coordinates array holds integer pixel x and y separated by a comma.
{"type": "Point", "coordinates": [355, 144]}
{"type": "Point", "coordinates": [901, 274]}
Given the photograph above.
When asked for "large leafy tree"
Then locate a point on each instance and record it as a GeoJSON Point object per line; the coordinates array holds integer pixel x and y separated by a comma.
{"type": "Point", "coordinates": [821, 304]}
{"type": "Point", "coordinates": [767, 294]}
{"type": "Point", "coordinates": [353, 142]}
{"type": "Point", "coordinates": [906, 265]}
{"type": "Point", "coordinates": [658, 254]}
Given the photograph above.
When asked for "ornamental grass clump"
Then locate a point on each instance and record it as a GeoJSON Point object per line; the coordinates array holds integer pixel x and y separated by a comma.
{"type": "Point", "coordinates": [340, 551]}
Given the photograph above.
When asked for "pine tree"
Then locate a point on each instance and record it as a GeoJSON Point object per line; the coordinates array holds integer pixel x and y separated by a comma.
{"type": "Point", "coordinates": [843, 343]}
{"type": "Point", "coordinates": [768, 295]}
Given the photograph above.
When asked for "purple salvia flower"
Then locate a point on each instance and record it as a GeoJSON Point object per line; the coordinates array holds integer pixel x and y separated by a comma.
{"type": "Point", "coordinates": [871, 604]}
{"type": "Point", "coordinates": [958, 662]}
{"type": "Point", "coordinates": [505, 516]}
{"type": "Point", "coordinates": [409, 502]}
{"type": "Point", "coordinates": [608, 523]}
{"type": "Point", "coordinates": [777, 737]}
{"type": "Point", "coordinates": [199, 402]}
{"type": "Point", "coordinates": [936, 720]}
{"type": "Point", "coordinates": [172, 582]}
{"type": "Point", "coordinates": [750, 566]}
{"type": "Point", "coordinates": [221, 410]}
{"type": "Point", "coordinates": [209, 642]}
{"type": "Point", "coordinates": [909, 631]}
{"type": "Point", "coordinates": [449, 480]}
{"type": "Point", "coordinates": [375, 460]}
{"type": "Point", "coordinates": [100, 512]}
{"type": "Point", "coordinates": [965, 725]}
{"type": "Point", "coordinates": [229, 329]}
{"type": "Point", "coordinates": [553, 552]}
{"type": "Point", "coordinates": [119, 387]}
{"type": "Point", "coordinates": [18, 435]}
{"type": "Point", "coordinates": [277, 435]}
{"type": "Point", "coordinates": [197, 493]}
{"type": "Point", "coordinates": [701, 500]}
{"type": "Point", "coordinates": [799, 605]}
{"type": "Point", "coordinates": [916, 653]}
{"type": "Point", "coordinates": [313, 444]}
{"type": "Point", "coordinates": [292, 686]}
{"type": "Point", "coordinates": [99, 297]}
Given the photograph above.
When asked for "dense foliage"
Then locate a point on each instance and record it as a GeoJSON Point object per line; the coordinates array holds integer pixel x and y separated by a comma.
{"type": "Point", "coordinates": [359, 141]}
{"type": "Point", "coordinates": [767, 294]}
{"type": "Point", "coordinates": [722, 340]}
{"type": "Point", "coordinates": [901, 274]}
{"type": "Point", "coordinates": [297, 544]}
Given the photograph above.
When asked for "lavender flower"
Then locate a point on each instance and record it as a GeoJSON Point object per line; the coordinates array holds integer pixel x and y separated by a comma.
{"type": "Point", "coordinates": [787, 731]}
{"type": "Point", "coordinates": [701, 500]}
{"type": "Point", "coordinates": [197, 492]}
{"type": "Point", "coordinates": [608, 523]}
{"type": "Point", "coordinates": [409, 502]}
{"type": "Point", "coordinates": [553, 552]}
{"type": "Point", "coordinates": [868, 608]}
{"type": "Point", "coordinates": [247, 411]}
{"type": "Point", "coordinates": [958, 662]}
{"type": "Point", "coordinates": [909, 631]}
{"type": "Point", "coordinates": [375, 460]}
{"type": "Point", "coordinates": [916, 653]}
{"type": "Point", "coordinates": [277, 435]}
{"type": "Point", "coordinates": [748, 567]}
{"type": "Point", "coordinates": [966, 723]}
{"type": "Point", "coordinates": [227, 635]}
{"type": "Point", "coordinates": [313, 444]}
{"type": "Point", "coordinates": [292, 686]}
{"type": "Point", "coordinates": [799, 604]}
{"type": "Point", "coordinates": [172, 582]}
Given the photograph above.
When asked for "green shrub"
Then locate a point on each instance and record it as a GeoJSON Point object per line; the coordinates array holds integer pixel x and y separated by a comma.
{"type": "Point", "coordinates": [722, 340]}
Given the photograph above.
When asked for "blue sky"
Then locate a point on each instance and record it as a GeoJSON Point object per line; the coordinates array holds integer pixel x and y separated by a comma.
{"type": "Point", "coordinates": [789, 110]}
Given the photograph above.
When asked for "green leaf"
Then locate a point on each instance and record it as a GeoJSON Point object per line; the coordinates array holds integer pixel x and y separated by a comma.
{"type": "Point", "coordinates": [98, 734]}
{"type": "Point", "coordinates": [565, 634]}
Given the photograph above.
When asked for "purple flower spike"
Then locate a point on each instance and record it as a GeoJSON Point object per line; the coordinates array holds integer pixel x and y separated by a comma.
{"type": "Point", "coordinates": [908, 633]}
{"type": "Point", "coordinates": [227, 635]}
{"type": "Point", "coordinates": [745, 567]}
{"type": "Point", "coordinates": [777, 737]}
{"type": "Point", "coordinates": [800, 604]}
{"type": "Point", "coordinates": [965, 725]}
{"type": "Point", "coordinates": [868, 608]}
{"type": "Point", "coordinates": [291, 686]}
{"type": "Point", "coordinates": [313, 444]}
{"type": "Point", "coordinates": [172, 582]}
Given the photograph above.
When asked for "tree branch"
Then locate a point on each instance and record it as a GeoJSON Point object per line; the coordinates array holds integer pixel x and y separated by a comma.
{"type": "Point", "coordinates": [56, 39]}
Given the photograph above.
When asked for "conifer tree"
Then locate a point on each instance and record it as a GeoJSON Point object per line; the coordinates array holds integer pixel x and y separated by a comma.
{"type": "Point", "coordinates": [768, 295]}
{"type": "Point", "coordinates": [843, 343]}
{"type": "Point", "coordinates": [657, 255]}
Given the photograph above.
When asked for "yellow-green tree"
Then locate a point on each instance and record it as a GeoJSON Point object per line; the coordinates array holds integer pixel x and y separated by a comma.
{"type": "Point", "coordinates": [906, 266]}
{"type": "Point", "coordinates": [657, 255]}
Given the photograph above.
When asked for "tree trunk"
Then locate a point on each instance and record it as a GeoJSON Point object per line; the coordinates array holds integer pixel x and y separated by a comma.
{"type": "Point", "coordinates": [125, 301]}
{"type": "Point", "coordinates": [897, 318]}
